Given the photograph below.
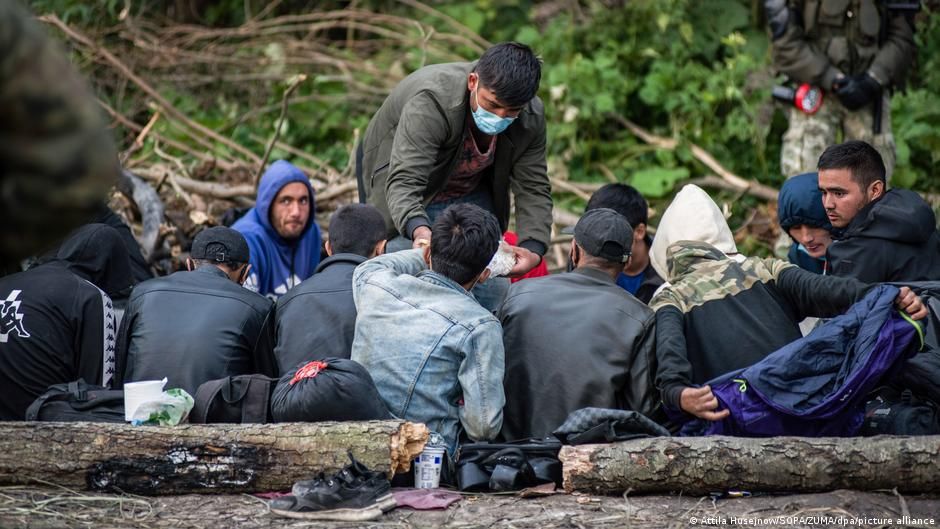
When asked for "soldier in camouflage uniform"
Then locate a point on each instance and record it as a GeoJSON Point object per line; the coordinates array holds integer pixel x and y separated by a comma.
{"type": "Point", "coordinates": [57, 160]}
{"type": "Point", "coordinates": [718, 315]}
{"type": "Point", "coordinates": [855, 51]}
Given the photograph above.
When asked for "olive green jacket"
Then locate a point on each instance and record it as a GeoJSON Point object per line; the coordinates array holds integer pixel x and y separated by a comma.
{"type": "Point", "coordinates": [827, 37]}
{"type": "Point", "coordinates": [411, 146]}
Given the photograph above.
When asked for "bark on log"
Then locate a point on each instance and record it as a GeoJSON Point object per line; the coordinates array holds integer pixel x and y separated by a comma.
{"type": "Point", "coordinates": [699, 465]}
{"type": "Point", "coordinates": [198, 458]}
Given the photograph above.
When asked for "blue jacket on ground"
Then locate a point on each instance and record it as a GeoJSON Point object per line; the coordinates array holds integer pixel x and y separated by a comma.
{"type": "Point", "coordinates": [817, 385]}
{"type": "Point", "coordinates": [276, 264]}
{"type": "Point", "coordinates": [800, 202]}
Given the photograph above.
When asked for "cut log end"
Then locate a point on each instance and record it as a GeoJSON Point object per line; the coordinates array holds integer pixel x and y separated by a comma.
{"type": "Point", "coordinates": [577, 462]}
{"type": "Point", "coordinates": [406, 445]}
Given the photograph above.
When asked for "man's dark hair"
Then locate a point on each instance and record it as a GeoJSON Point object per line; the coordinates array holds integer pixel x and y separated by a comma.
{"type": "Point", "coordinates": [623, 199]}
{"type": "Point", "coordinates": [512, 71]}
{"type": "Point", "coordinates": [861, 159]}
{"type": "Point", "coordinates": [463, 240]}
{"type": "Point", "coordinates": [356, 229]}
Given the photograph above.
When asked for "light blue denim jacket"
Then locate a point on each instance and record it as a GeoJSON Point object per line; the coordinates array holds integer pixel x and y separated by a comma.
{"type": "Point", "coordinates": [427, 343]}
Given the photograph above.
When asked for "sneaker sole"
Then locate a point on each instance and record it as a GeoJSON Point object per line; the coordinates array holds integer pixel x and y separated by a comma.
{"type": "Point", "coordinates": [371, 512]}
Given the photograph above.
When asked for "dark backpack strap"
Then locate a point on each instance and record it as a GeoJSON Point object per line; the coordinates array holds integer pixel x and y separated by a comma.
{"type": "Point", "coordinates": [256, 401]}
{"type": "Point", "coordinates": [205, 395]}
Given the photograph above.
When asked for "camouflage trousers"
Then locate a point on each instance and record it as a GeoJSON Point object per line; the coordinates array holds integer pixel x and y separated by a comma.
{"type": "Point", "coordinates": [809, 134]}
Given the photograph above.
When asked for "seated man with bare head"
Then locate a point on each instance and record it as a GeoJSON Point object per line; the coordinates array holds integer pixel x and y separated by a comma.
{"type": "Point", "coordinates": [317, 319]}
{"type": "Point", "coordinates": [879, 234]}
{"type": "Point", "coordinates": [435, 353]}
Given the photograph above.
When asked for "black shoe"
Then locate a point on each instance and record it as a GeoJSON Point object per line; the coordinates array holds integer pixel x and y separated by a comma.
{"type": "Point", "coordinates": [355, 493]}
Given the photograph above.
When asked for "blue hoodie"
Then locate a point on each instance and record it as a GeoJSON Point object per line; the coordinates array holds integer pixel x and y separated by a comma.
{"type": "Point", "coordinates": [800, 202]}
{"type": "Point", "coordinates": [276, 264]}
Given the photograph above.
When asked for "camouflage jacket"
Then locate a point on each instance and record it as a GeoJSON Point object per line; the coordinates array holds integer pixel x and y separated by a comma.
{"type": "Point", "coordinates": [57, 159]}
{"type": "Point", "coordinates": [717, 315]}
{"type": "Point", "coordinates": [816, 40]}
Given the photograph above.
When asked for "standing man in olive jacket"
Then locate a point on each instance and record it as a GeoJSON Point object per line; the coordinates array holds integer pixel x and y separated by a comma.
{"type": "Point", "coordinates": [855, 51]}
{"type": "Point", "coordinates": [462, 132]}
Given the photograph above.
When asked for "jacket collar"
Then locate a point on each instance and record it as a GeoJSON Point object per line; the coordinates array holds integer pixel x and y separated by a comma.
{"type": "Point", "coordinates": [431, 276]}
{"type": "Point", "coordinates": [349, 258]}
{"type": "Point", "coordinates": [595, 274]}
{"type": "Point", "coordinates": [212, 270]}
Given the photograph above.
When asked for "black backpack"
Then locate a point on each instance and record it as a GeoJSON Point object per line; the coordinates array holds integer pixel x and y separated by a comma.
{"type": "Point", "coordinates": [893, 412]}
{"type": "Point", "coordinates": [78, 401]}
{"type": "Point", "coordinates": [500, 467]}
{"type": "Point", "coordinates": [234, 399]}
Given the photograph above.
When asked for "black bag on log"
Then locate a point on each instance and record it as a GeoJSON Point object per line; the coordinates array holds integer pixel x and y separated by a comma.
{"type": "Point", "coordinates": [499, 467]}
{"type": "Point", "coordinates": [894, 412]}
{"type": "Point", "coordinates": [234, 399]}
{"type": "Point", "coordinates": [332, 389]}
{"type": "Point", "coordinates": [78, 401]}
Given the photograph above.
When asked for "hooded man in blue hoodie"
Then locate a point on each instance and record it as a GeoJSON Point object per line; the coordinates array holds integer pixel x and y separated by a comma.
{"type": "Point", "coordinates": [802, 215]}
{"type": "Point", "coordinates": [281, 231]}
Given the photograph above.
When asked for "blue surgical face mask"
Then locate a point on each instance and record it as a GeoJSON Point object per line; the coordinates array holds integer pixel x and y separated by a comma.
{"type": "Point", "coordinates": [488, 122]}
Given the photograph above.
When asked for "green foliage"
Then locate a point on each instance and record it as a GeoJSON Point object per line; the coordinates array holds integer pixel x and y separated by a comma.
{"type": "Point", "coordinates": [695, 70]}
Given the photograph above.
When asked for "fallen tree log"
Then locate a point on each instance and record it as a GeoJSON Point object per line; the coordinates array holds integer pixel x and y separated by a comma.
{"type": "Point", "coordinates": [198, 458]}
{"type": "Point", "coordinates": [699, 465]}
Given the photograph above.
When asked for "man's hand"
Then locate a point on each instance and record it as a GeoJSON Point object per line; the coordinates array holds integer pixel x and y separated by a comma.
{"type": "Point", "coordinates": [421, 237]}
{"type": "Point", "coordinates": [702, 403]}
{"type": "Point", "coordinates": [526, 260]}
{"type": "Point", "coordinates": [911, 303]}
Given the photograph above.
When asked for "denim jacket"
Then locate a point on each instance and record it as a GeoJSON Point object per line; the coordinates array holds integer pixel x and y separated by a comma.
{"type": "Point", "coordinates": [428, 345]}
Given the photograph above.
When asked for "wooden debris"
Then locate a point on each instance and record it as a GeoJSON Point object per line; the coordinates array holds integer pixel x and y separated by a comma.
{"type": "Point", "coordinates": [198, 458]}
{"type": "Point", "coordinates": [699, 465]}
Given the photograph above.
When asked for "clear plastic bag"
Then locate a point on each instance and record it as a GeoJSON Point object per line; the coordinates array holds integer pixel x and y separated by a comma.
{"type": "Point", "coordinates": [170, 409]}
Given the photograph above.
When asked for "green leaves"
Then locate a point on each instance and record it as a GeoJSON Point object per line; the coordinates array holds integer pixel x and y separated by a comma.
{"type": "Point", "coordinates": [657, 182]}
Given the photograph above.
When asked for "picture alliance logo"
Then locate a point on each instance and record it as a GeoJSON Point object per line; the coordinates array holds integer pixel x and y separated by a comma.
{"type": "Point", "coordinates": [11, 319]}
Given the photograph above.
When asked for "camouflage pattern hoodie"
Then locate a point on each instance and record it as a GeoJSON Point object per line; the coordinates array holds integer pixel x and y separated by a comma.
{"type": "Point", "coordinates": [718, 315]}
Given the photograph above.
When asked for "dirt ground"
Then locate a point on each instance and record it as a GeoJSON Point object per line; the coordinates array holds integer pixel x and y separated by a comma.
{"type": "Point", "coordinates": [35, 508]}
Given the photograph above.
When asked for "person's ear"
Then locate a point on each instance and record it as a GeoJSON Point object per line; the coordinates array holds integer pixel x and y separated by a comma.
{"type": "Point", "coordinates": [190, 264]}
{"type": "Point", "coordinates": [876, 190]}
{"type": "Point", "coordinates": [379, 248]}
{"type": "Point", "coordinates": [243, 275]}
{"type": "Point", "coordinates": [639, 232]}
{"type": "Point", "coordinates": [426, 254]}
{"type": "Point", "coordinates": [472, 80]}
{"type": "Point", "coordinates": [483, 276]}
{"type": "Point", "coordinates": [329, 248]}
{"type": "Point", "coordinates": [573, 254]}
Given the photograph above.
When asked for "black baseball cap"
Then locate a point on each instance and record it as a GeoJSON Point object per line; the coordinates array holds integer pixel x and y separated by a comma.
{"type": "Point", "coordinates": [220, 244]}
{"type": "Point", "coordinates": [603, 232]}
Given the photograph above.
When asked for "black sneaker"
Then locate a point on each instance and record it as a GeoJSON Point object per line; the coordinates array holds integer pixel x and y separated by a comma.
{"type": "Point", "coordinates": [354, 494]}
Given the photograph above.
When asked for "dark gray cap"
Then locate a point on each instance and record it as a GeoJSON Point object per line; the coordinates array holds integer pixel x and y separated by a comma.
{"type": "Point", "coordinates": [220, 244]}
{"type": "Point", "coordinates": [604, 233]}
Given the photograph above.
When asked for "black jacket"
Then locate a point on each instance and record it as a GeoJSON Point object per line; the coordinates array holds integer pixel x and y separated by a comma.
{"type": "Point", "coordinates": [56, 325]}
{"type": "Point", "coordinates": [892, 239]}
{"type": "Point", "coordinates": [317, 318]}
{"type": "Point", "coordinates": [192, 327]}
{"type": "Point", "coordinates": [572, 341]}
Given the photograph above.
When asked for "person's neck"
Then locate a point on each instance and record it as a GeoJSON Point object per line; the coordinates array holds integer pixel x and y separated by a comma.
{"type": "Point", "coordinates": [638, 263]}
{"type": "Point", "coordinates": [610, 272]}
